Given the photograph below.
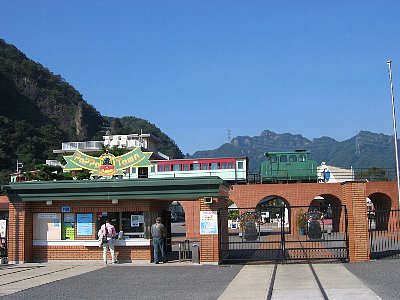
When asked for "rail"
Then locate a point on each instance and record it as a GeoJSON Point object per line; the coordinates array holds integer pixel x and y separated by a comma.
{"type": "Point", "coordinates": [184, 250]}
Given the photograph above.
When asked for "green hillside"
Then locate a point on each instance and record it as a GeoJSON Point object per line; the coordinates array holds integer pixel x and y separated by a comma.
{"type": "Point", "coordinates": [40, 110]}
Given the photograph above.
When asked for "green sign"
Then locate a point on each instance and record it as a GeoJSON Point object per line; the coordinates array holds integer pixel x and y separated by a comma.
{"type": "Point", "coordinates": [108, 165]}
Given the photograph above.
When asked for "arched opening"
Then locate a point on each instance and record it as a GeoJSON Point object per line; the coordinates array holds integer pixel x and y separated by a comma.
{"type": "Point", "coordinates": [178, 228]}
{"type": "Point", "coordinates": [378, 206]}
{"type": "Point", "coordinates": [274, 214]}
{"type": "Point", "coordinates": [331, 211]}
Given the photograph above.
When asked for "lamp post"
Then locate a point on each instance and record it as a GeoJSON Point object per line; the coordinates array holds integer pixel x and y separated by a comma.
{"type": "Point", "coordinates": [389, 63]}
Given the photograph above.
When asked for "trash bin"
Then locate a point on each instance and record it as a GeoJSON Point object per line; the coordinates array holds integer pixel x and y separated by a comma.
{"type": "Point", "coordinates": [195, 254]}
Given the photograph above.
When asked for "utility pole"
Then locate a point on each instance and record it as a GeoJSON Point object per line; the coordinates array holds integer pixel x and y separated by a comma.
{"type": "Point", "coordinates": [389, 63]}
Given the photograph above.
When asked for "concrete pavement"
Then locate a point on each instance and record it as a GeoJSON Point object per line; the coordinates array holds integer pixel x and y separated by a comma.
{"type": "Point", "coordinates": [289, 281]}
{"type": "Point", "coordinates": [297, 281]}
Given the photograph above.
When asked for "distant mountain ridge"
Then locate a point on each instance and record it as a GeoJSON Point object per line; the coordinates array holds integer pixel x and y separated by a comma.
{"type": "Point", "coordinates": [364, 150]}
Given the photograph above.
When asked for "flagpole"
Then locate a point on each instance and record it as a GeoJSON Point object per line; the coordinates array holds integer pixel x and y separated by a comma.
{"type": "Point", "coordinates": [389, 63]}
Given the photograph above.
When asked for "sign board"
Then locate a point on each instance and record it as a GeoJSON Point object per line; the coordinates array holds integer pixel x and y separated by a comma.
{"type": "Point", "coordinates": [208, 222]}
{"type": "Point", "coordinates": [3, 228]}
{"type": "Point", "coordinates": [66, 209]}
{"type": "Point", "coordinates": [107, 165]}
{"type": "Point", "coordinates": [84, 224]}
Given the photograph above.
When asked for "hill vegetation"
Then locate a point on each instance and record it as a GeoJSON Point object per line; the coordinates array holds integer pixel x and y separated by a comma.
{"type": "Point", "coordinates": [40, 110]}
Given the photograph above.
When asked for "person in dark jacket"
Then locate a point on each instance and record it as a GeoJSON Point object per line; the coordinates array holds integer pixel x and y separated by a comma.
{"type": "Point", "coordinates": [158, 232]}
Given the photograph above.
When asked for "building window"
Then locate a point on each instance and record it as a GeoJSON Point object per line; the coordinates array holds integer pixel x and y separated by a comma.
{"type": "Point", "coordinates": [132, 224]}
{"type": "Point", "coordinates": [302, 158]}
{"type": "Point", "coordinates": [214, 166]}
{"type": "Point", "coordinates": [177, 167]}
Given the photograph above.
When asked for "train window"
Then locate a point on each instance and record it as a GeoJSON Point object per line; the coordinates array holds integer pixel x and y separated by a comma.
{"type": "Point", "coordinates": [292, 158]}
{"type": "Point", "coordinates": [167, 168]}
{"type": "Point", "coordinates": [204, 166]}
{"type": "Point", "coordinates": [240, 165]}
{"type": "Point", "coordinates": [214, 166]}
{"type": "Point", "coordinates": [283, 158]}
{"type": "Point", "coordinates": [185, 167]}
{"type": "Point", "coordinates": [160, 168]}
{"type": "Point", "coordinates": [231, 165]}
{"type": "Point", "coordinates": [273, 158]}
{"type": "Point", "coordinates": [195, 166]}
{"type": "Point", "coordinates": [153, 168]}
{"type": "Point", "coordinates": [224, 165]}
{"type": "Point", "coordinates": [302, 157]}
{"type": "Point", "coordinates": [176, 167]}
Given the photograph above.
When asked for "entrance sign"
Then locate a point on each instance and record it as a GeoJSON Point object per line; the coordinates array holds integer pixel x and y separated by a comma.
{"type": "Point", "coordinates": [107, 164]}
{"type": "Point", "coordinates": [208, 222]}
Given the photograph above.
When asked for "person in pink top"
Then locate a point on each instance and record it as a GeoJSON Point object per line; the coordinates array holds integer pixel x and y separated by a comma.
{"type": "Point", "coordinates": [108, 230]}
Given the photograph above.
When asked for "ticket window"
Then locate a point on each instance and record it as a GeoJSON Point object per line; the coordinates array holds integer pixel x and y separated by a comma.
{"type": "Point", "coordinates": [112, 216]}
{"type": "Point", "coordinates": [68, 228]}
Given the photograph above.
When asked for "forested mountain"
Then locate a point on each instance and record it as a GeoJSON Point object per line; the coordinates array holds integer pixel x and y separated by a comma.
{"type": "Point", "coordinates": [39, 111]}
{"type": "Point", "coordinates": [364, 150]}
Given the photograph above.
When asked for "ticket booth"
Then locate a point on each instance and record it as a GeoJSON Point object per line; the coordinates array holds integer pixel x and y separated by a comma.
{"type": "Point", "coordinates": [63, 225]}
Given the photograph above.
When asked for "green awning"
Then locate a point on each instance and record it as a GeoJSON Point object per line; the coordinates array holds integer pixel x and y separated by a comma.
{"type": "Point", "coordinates": [146, 188]}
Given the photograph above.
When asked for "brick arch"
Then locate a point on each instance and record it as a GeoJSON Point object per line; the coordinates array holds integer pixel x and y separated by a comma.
{"type": "Point", "coordinates": [381, 200]}
{"type": "Point", "coordinates": [301, 194]}
{"type": "Point", "coordinates": [271, 197]}
{"type": "Point", "coordinates": [388, 188]}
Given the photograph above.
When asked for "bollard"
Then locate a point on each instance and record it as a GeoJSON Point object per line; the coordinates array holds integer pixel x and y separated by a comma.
{"type": "Point", "coordinates": [195, 254]}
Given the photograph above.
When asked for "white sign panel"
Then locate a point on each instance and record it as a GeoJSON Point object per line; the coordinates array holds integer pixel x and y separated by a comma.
{"type": "Point", "coordinates": [208, 222]}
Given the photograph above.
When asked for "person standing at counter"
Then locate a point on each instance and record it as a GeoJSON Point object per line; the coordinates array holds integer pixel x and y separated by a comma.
{"type": "Point", "coordinates": [108, 230]}
{"type": "Point", "coordinates": [158, 232]}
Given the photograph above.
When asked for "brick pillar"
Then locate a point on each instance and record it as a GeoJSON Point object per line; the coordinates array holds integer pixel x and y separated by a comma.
{"type": "Point", "coordinates": [210, 243]}
{"type": "Point", "coordinates": [20, 232]}
{"type": "Point", "coordinates": [192, 221]}
{"type": "Point", "coordinates": [354, 195]}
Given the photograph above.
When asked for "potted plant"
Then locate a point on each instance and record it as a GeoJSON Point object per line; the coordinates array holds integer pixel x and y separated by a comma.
{"type": "Point", "coordinates": [301, 222]}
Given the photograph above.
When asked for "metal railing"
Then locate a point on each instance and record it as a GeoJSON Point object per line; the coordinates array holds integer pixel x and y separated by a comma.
{"type": "Point", "coordinates": [184, 250]}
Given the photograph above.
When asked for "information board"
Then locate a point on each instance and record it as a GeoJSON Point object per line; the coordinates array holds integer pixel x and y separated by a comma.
{"type": "Point", "coordinates": [208, 222]}
{"type": "Point", "coordinates": [84, 224]}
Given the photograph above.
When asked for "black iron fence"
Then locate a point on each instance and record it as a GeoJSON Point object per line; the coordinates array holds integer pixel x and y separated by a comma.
{"type": "Point", "coordinates": [341, 175]}
{"type": "Point", "coordinates": [285, 234]}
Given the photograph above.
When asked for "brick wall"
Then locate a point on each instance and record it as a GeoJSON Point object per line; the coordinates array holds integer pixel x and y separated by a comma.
{"type": "Point", "coordinates": [354, 195]}
{"type": "Point", "coordinates": [126, 253]}
{"type": "Point", "coordinates": [209, 244]}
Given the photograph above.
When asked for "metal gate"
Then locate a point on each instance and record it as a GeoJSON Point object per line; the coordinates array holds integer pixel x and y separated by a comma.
{"type": "Point", "coordinates": [384, 233]}
{"type": "Point", "coordinates": [284, 234]}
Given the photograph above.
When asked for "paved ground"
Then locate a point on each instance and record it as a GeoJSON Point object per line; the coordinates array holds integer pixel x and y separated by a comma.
{"type": "Point", "coordinates": [382, 276]}
{"type": "Point", "coordinates": [86, 280]}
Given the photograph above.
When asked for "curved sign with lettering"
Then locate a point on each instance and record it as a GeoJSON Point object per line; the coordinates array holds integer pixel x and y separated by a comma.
{"type": "Point", "coordinates": [107, 165]}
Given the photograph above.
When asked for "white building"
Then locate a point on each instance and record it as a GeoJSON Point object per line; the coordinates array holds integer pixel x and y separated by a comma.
{"type": "Point", "coordinates": [331, 174]}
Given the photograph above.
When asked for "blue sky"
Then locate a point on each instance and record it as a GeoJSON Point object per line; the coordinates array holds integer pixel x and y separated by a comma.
{"type": "Point", "coordinates": [198, 68]}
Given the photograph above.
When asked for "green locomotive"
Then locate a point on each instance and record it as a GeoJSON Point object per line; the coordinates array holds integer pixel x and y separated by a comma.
{"type": "Point", "coordinates": [288, 167]}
